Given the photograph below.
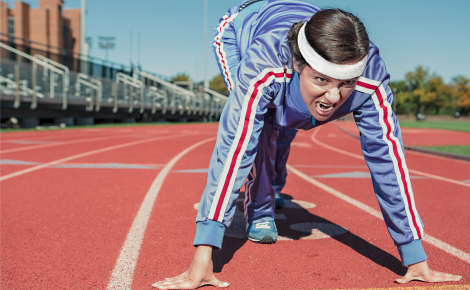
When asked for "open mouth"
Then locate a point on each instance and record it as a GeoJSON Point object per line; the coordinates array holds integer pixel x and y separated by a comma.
{"type": "Point", "coordinates": [325, 107]}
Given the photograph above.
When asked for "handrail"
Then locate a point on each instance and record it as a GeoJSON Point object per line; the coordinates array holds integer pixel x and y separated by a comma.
{"type": "Point", "coordinates": [30, 91]}
{"type": "Point", "coordinates": [163, 82]}
{"type": "Point", "coordinates": [186, 96]}
{"type": "Point", "coordinates": [65, 77]}
{"type": "Point", "coordinates": [218, 98]}
{"type": "Point", "coordinates": [216, 94]}
{"type": "Point", "coordinates": [44, 64]}
{"type": "Point", "coordinates": [65, 68]}
{"type": "Point", "coordinates": [134, 83]}
{"type": "Point", "coordinates": [128, 80]}
{"type": "Point", "coordinates": [37, 61]}
{"type": "Point", "coordinates": [92, 84]}
{"type": "Point", "coordinates": [99, 97]}
{"type": "Point", "coordinates": [163, 95]}
{"type": "Point", "coordinates": [157, 94]}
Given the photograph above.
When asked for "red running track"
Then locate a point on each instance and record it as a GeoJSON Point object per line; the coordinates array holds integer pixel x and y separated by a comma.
{"type": "Point", "coordinates": [64, 226]}
{"type": "Point", "coordinates": [422, 136]}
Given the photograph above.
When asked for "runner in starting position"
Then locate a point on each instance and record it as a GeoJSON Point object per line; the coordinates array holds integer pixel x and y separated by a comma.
{"type": "Point", "coordinates": [290, 65]}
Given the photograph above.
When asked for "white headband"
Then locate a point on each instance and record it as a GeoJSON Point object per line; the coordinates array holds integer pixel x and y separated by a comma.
{"type": "Point", "coordinates": [337, 71]}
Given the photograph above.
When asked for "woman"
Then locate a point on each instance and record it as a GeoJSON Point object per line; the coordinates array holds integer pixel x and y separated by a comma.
{"type": "Point", "coordinates": [288, 70]}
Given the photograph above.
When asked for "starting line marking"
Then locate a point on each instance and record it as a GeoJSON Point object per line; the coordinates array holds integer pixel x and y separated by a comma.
{"type": "Point", "coordinates": [123, 273]}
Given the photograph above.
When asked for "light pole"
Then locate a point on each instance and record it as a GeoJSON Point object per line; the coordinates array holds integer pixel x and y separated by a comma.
{"type": "Point", "coordinates": [206, 82]}
{"type": "Point", "coordinates": [106, 43]}
{"type": "Point", "coordinates": [84, 49]}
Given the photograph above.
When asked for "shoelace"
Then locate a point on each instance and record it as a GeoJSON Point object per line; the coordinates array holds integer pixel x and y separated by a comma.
{"type": "Point", "coordinates": [265, 225]}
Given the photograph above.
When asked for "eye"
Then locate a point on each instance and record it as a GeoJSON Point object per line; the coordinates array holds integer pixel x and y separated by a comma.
{"type": "Point", "coordinates": [349, 83]}
{"type": "Point", "coordinates": [320, 80]}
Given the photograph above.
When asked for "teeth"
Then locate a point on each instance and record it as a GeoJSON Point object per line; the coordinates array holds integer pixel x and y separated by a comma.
{"type": "Point", "coordinates": [323, 107]}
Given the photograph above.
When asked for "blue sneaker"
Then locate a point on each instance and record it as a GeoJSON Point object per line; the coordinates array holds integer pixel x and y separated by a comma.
{"type": "Point", "coordinates": [279, 200]}
{"type": "Point", "coordinates": [263, 233]}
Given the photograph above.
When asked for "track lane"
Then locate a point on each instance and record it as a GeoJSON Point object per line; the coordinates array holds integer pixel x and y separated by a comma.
{"type": "Point", "coordinates": [364, 254]}
{"type": "Point", "coordinates": [456, 199]}
{"type": "Point", "coordinates": [427, 191]}
{"type": "Point", "coordinates": [167, 248]}
{"type": "Point", "coordinates": [113, 199]}
{"type": "Point", "coordinates": [88, 213]}
{"type": "Point", "coordinates": [78, 134]}
{"type": "Point", "coordinates": [123, 273]}
{"type": "Point", "coordinates": [351, 147]}
{"type": "Point", "coordinates": [424, 137]}
{"type": "Point", "coordinates": [62, 143]}
{"type": "Point", "coordinates": [84, 154]}
{"type": "Point", "coordinates": [58, 134]}
{"type": "Point", "coordinates": [421, 136]}
{"type": "Point", "coordinates": [376, 213]}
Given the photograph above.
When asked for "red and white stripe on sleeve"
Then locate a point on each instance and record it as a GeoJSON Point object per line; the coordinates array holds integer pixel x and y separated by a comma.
{"type": "Point", "coordinates": [220, 49]}
{"type": "Point", "coordinates": [379, 96]}
{"type": "Point", "coordinates": [242, 137]}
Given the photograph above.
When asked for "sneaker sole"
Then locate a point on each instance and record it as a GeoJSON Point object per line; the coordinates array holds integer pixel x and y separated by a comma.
{"type": "Point", "coordinates": [265, 240]}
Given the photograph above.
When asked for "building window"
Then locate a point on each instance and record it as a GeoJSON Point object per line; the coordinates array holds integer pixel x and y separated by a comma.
{"type": "Point", "coordinates": [11, 29]}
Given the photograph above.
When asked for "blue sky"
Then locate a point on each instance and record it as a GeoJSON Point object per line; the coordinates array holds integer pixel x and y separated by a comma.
{"type": "Point", "coordinates": [408, 33]}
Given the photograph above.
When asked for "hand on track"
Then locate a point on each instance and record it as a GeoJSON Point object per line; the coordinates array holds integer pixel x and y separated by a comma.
{"type": "Point", "coordinates": [200, 273]}
{"type": "Point", "coordinates": [422, 272]}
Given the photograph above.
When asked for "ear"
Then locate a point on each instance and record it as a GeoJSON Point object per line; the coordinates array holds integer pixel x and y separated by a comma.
{"type": "Point", "coordinates": [296, 68]}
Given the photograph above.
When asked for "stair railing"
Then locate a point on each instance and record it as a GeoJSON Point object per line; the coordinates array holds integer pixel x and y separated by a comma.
{"type": "Point", "coordinates": [93, 85]}
{"type": "Point", "coordinates": [132, 83]}
{"type": "Point", "coordinates": [65, 79]}
{"type": "Point", "coordinates": [46, 67]}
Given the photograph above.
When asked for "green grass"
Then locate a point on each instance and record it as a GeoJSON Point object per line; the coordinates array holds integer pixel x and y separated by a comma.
{"type": "Point", "coordinates": [49, 128]}
{"type": "Point", "coordinates": [459, 149]}
{"type": "Point", "coordinates": [447, 125]}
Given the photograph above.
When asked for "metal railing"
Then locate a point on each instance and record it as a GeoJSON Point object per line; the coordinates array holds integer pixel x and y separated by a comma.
{"type": "Point", "coordinates": [94, 88]}
{"type": "Point", "coordinates": [132, 83]}
{"type": "Point", "coordinates": [29, 74]}
{"type": "Point", "coordinates": [218, 102]}
{"type": "Point", "coordinates": [43, 78]}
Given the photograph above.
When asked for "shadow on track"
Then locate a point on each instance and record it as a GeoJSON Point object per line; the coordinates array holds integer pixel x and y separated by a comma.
{"type": "Point", "coordinates": [295, 223]}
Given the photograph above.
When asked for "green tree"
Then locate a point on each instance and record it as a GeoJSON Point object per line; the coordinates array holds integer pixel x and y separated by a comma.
{"type": "Point", "coordinates": [461, 94]}
{"type": "Point", "coordinates": [425, 92]}
{"type": "Point", "coordinates": [400, 89]}
{"type": "Point", "coordinates": [181, 77]}
{"type": "Point", "coordinates": [217, 84]}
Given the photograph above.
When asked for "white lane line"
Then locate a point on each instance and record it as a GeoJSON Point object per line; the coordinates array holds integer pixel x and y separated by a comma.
{"type": "Point", "coordinates": [427, 238]}
{"type": "Point", "coordinates": [34, 168]}
{"type": "Point", "coordinates": [123, 272]}
{"type": "Point", "coordinates": [44, 135]}
{"type": "Point", "coordinates": [314, 139]}
{"type": "Point", "coordinates": [336, 193]}
{"type": "Point", "coordinates": [62, 143]}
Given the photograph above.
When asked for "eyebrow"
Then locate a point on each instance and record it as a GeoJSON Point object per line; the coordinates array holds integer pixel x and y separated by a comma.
{"type": "Point", "coordinates": [328, 77]}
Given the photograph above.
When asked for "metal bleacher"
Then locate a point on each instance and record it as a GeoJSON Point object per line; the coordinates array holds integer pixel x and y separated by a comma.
{"type": "Point", "coordinates": [33, 87]}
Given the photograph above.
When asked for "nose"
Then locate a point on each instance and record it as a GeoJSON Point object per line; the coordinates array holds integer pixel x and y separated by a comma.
{"type": "Point", "coordinates": [333, 95]}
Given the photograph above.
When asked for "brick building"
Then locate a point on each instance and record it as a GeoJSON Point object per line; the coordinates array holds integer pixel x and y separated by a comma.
{"type": "Point", "coordinates": [46, 30]}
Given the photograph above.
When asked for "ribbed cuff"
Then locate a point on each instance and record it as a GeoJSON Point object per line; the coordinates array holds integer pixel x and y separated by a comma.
{"type": "Point", "coordinates": [209, 233]}
{"type": "Point", "coordinates": [412, 253]}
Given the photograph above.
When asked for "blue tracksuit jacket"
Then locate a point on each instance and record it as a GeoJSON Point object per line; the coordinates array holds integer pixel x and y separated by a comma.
{"type": "Point", "coordinates": [255, 60]}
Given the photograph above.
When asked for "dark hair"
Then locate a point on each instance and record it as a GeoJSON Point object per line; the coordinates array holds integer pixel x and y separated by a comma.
{"type": "Point", "coordinates": [338, 36]}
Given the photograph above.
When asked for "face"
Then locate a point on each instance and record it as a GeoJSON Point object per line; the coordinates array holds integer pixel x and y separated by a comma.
{"type": "Point", "coordinates": [322, 94]}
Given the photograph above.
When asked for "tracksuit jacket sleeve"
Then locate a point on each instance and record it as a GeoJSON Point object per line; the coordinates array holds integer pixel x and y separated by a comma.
{"type": "Point", "coordinates": [383, 151]}
{"type": "Point", "coordinates": [257, 81]}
